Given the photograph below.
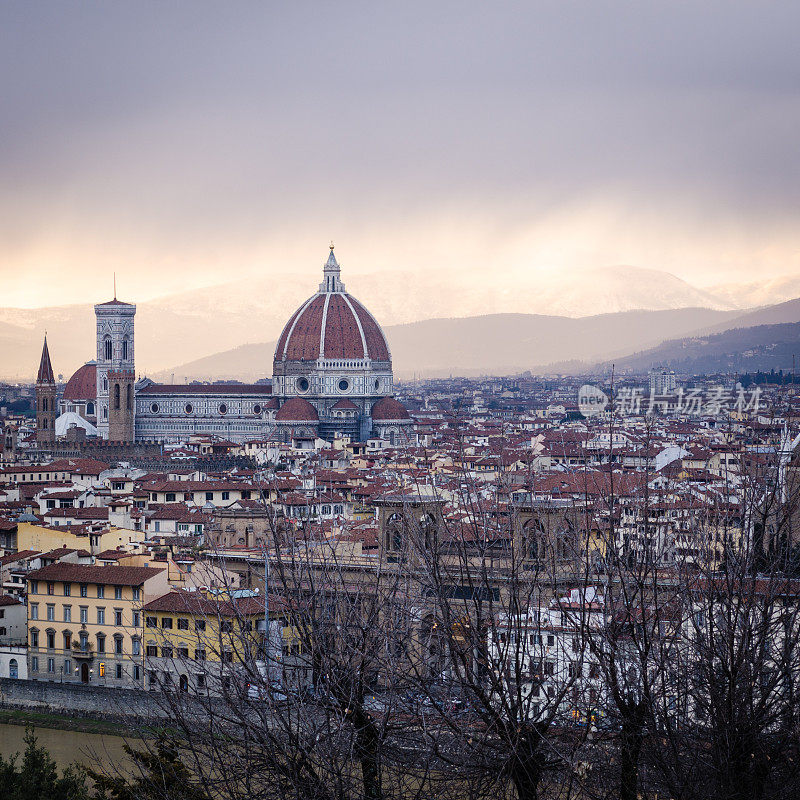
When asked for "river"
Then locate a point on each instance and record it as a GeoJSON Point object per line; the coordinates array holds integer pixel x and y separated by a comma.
{"type": "Point", "coordinates": [95, 750]}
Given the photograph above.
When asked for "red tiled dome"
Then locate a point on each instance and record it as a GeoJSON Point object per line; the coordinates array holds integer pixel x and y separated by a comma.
{"type": "Point", "coordinates": [331, 325]}
{"type": "Point", "coordinates": [344, 405]}
{"type": "Point", "coordinates": [83, 384]}
{"type": "Point", "coordinates": [389, 409]}
{"type": "Point", "coordinates": [297, 410]}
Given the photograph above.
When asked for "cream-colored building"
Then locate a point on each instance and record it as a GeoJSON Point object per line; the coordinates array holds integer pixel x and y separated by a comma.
{"type": "Point", "coordinates": [85, 622]}
{"type": "Point", "coordinates": [42, 538]}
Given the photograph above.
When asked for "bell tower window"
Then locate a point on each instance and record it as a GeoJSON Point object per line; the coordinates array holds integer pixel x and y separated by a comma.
{"type": "Point", "coordinates": [125, 349]}
{"type": "Point", "coordinates": [116, 396]}
{"type": "Point", "coordinates": [107, 348]}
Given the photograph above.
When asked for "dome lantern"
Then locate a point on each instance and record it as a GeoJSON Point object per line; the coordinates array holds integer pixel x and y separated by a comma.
{"type": "Point", "coordinates": [331, 280]}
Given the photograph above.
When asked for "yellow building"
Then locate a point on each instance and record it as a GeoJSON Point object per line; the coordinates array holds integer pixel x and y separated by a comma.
{"type": "Point", "coordinates": [85, 622]}
{"type": "Point", "coordinates": [39, 537]}
{"type": "Point", "coordinates": [199, 643]}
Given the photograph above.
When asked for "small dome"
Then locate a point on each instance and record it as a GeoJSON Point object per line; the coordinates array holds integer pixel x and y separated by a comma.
{"type": "Point", "coordinates": [297, 410]}
{"type": "Point", "coordinates": [83, 384]}
{"type": "Point", "coordinates": [389, 409]}
{"type": "Point", "coordinates": [344, 405]}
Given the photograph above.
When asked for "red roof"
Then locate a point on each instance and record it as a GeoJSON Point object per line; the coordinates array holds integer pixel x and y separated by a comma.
{"type": "Point", "coordinates": [297, 409]}
{"type": "Point", "coordinates": [181, 602]}
{"type": "Point", "coordinates": [115, 302]}
{"type": "Point", "coordinates": [387, 408]}
{"type": "Point", "coordinates": [83, 384]}
{"type": "Point", "coordinates": [78, 573]}
{"type": "Point", "coordinates": [344, 405]}
{"type": "Point", "coordinates": [350, 331]}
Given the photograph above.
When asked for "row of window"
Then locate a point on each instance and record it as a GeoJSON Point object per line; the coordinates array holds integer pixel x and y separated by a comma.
{"type": "Point", "coordinates": [66, 668]}
{"type": "Point", "coordinates": [151, 651]}
{"type": "Point", "coordinates": [83, 588]}
{"type": "Point", "coordinates": [82, 642]}
{"type": "Point", "coordinates": [171, 497]}
{"type": "Point", "coordinates": [182, 624]}
{"type": "Point", "coordinates": [83, 611]}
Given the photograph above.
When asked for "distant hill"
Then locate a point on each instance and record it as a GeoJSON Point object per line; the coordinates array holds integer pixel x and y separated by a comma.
{"type": "Point", "coordinates": [763, 347]}
{"type": "Point", "coordinates": [184, 327]}
{"type": "Point", "coordinates": [487, 344]}
{"type": "Point", "coordinates": [787, 311]}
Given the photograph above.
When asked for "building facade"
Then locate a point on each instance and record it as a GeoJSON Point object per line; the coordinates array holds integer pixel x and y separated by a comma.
{"type": "Point", "coordinates": [115, 370]}
{"type": "Point", "coordinates": [85, 622]}
{"type": "Point", "coordinates": [331, 376]}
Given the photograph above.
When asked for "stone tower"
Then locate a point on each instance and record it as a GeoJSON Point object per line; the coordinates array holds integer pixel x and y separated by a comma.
{"type": "Point", "coordinates": [116, 372]}
{"type": "Point", "coordinates": [46, 401]}
{"type": "Point", "coordinates": [121, 405]}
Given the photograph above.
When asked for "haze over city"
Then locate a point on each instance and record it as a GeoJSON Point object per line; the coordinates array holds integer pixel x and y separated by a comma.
{"type": "Point", "coordinates": [184, 146]}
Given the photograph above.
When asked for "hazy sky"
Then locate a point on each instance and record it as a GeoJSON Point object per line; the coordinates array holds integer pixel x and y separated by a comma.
{"type": "Point", "coordinates": [190, 143]}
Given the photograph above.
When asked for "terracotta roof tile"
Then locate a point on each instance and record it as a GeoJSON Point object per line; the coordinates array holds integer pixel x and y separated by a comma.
{"type": "Point", "coordinates": [80, 573]}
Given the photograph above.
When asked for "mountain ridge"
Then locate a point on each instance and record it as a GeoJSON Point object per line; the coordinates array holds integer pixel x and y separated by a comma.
{"type": "Point", "coordinates": [485, 344]}
{"type": "Point", "coordinates": [180, 328]}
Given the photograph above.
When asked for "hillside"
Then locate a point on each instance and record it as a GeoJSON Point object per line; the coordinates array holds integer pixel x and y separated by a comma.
{"type": "Point", "coordinates": [181, 328]}
{"type": "Point", "coordinates": [488, 344]}
{"type": "Point", "coordinates": [763, 347]}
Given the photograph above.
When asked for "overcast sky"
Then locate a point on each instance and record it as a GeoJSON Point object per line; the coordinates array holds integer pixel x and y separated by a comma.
{"type": "Point", "coordinates": [189, 143]}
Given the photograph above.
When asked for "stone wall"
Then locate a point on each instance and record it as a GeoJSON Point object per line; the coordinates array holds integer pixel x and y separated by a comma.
{"type": "Point", "coordinates": [78, 700]}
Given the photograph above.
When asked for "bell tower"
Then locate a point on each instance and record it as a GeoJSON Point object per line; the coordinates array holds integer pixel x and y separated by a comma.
{"type": "Point", "coordinates": [116, 371]}
{"type": "Point", "coordinates": [46, 401]}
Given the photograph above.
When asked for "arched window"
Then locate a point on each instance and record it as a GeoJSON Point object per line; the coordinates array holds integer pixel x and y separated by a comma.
{"type": "Point", "coordinates": [128, 397]}
{"type": "Point", "coordinates": [394, 532]}
{"type": "Point", "coordinates": [565, 542]}
{"type": "Point", "coordinates": [107, 352]}
{"type": "Point", "coordinates": [90, 408]}
{"type": "Point", "coordinates": [534, 539]}
{"type": "Point", "coordinates": [13, 669]}
{"type": "Point", "coordinates": [67, 640]}
{"type": "Point", "coordinates": [427, 527]}
{"type": "Point", "coordinates": [124, 348]}
{"type": "Point", "coordinates": [44, 404]}
{"type": "Point", "coordinates": [44, 423]}
{"type": "Point", "coordinates": [116, 396]}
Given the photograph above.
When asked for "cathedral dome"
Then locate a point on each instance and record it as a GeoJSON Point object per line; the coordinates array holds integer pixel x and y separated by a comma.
{"type": "Point", "coordinates": [387, 408]}
{"type": "Point", "coordinates": [83, 383]}
{"type": "Point", "coordinates": [332, 325]}
{"type": "Point", "coordinates": [297, 410]}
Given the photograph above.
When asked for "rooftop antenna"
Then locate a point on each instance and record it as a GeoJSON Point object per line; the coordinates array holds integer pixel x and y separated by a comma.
{"type": "Point", "coordinates": [115, 284]}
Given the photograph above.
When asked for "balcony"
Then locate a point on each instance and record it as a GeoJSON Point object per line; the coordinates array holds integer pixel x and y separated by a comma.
{"type": "Point", "coordinates": [82, 652]}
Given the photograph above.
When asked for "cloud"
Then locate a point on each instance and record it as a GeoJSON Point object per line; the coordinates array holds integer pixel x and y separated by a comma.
{"type": "Point", "coordinates": [185, 144]}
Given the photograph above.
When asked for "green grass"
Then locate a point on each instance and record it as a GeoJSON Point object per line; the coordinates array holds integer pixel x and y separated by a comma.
{"type": "Point", "coordinates": [61, 722]}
